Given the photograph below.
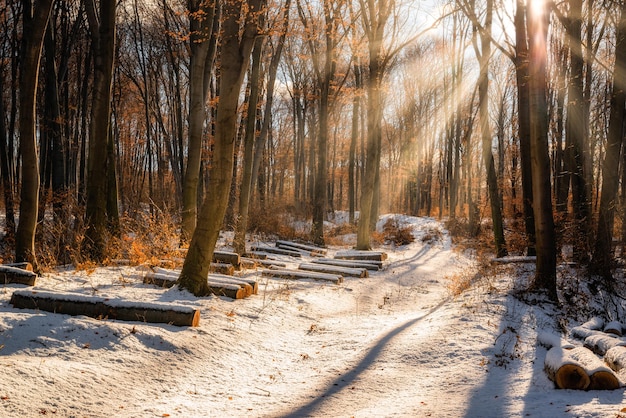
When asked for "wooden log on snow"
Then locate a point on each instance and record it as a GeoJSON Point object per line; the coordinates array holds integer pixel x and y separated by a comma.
{"type": "Point", "coordinates": [299, 275]}
{"type": "Point", "coordinates": [223, 268]}
{"type": "Point", "coordinates": [257, 255]}
{"type": "Point", "coordinates": [103, 308]}
{"type": "Point", "coordinates": [299, 250]}
{"type": "Point", "coordinates": [233, 288]}
{"type": "Point", "coordinates": [514, 259]}
{"type": "Point", "coordinates": [343, 271]}
{"type": "Point", "coordinates": [274, 250]}
{"type": "Point", "coordinates": [227, 257]}
{"type": "Point", "coordinates": [253, 262]}
{"type": "Point", "coordinates": [601, 377]}
{"type": "Point", "coordinates": [25, 265]}
{"type": "Point", "coordinates": [583, 333]}
{"type": "Point", "coordinates": [600, 343]}
{"type": "Point", "coordinates": [242, 281]}
{"type": "Point", "coordinates": [614, 327]}
{"type": "Point", "coordinates": [15, 275]}
{"type": "Point", "coordinates": [550, 340]}
{"type": "Point", "coordinates": [594, 323]}
{"type": "Point", "coordinates": [615, 357]}
{"type": "Point", "coordinates": [564, 370]}
{"type": "Point", "coordinates": [361, 255]}
{"type": "Point", "coordinates": [371, 265]}
{"type": "Point", "coordinates": [314, 250]}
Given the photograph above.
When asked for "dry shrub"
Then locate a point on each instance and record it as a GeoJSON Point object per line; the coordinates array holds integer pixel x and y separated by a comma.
{"type": "Point", "coordinates": [396, 234]}
{"type": "Point", "coordinates": [459, 283]}
{"type": "Point", "coordinates": [277, 222]}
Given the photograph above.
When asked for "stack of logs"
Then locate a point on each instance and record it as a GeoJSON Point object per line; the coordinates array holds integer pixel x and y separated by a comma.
{"type": "Point", "coordinates": [599, 364]}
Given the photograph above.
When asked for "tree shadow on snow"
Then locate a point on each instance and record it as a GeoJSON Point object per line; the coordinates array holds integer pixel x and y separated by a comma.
{"type": "Point", "coordinates": [347, 380]}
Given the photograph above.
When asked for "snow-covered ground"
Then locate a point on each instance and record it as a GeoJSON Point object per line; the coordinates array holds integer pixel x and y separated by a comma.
{"type": "Point", "coordinates": [395, 344]}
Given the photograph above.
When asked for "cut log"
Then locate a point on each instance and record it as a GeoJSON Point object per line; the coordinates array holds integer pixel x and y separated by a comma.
{"type": "Point", "coordinates": [299, 250]}
{"type": "Point", "coordinates": [298, 275]}
{"type": "Point", "coordinates": [103, 308]}
{"type": "Point", "coordinates": [564, 370]}
{"type": "Point", "coordinates": [343, 271]}
{"type": "Point", "coordinates": [223, 268]}
{"type": "Point", "coordinates": [600, 343]}
{"type": "Point", "coordinates": [371, 265]}
{"type": "Point", "coordinates": [224, 285]}
{"type": "Point", "coordinates": [227, 257]}
{"type": "Point", "coordinates": [310, 248]}
{"type": "Point", "coordinates": [614, 327]}
{"type": "Point", "coordinates": [583, 332]}
{"type": "Point", "coordinates": [361, 255]}
{"type": "Point", "coordinates": [601, 377]}
{"type": "Point", "coordinates": [615, 357]}
{"type": "Point", "coordinates": [594, 323]}
{"type": "Point", "coordinates": [257, 255]}
{"type": "Point", "coordinates": [274, 250]}
{"type": "Point", "coordinates": [15, 275]}
{"type": "Point", "coordinates": [550, 340]}
{"type": "Point", "coordinates": [266, 263]}
{"type": "Point", "coordinates": [25, 265]}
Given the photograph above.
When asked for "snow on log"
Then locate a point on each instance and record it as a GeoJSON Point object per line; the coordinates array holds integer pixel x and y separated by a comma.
{"type": "Point", "coordinates": [242, 281]}
{"type": "Point", "coordinates": [514, 259]}
{"type": "Point", "coordinates": [344, 271]}
{"type": "Point", "coordinates": [257, 255]}
{"type": "Point", "coordinates": [601, 377]}
{"type": "Point", "coordinates": [253, 262]}
{"type": "Point", "coordinates": [600, 343]}
{"type": "Point", "coordinates": [227, 257]}
{"type": "Point", "coordinates": [615, 357]}
{"type": "Point", "coordinates": [274, 250]}
{"type": "Point", "coordinates": [367, 264]}
{"type": "Point", "coordinates": [15, 275]}
{"type": "Point", "coordinates": [298, 275]}
{"type": "Point", "coordinates": [314, 250]}
{"type": "Point", "coordinates": [594, 323]}
{"type": "Point", "coordinates": [583, 332]}
{"type": "Point", "coordinates": [299, 250]}
{"type": "Point", "coordinates": [549, 340]}
{"type": "Point", "coordinates": [565, 371]}
{"type": "Point", "coordinates": [24, 265]}
{"type": "Point", "coordinates": [361, 255]}
{"type": "Point", "coordinates": [222, 268]}
{"type": "Point", "coordinates": [233, 288]}
{"type": "Point", "coordinates": [614, 327]}
{"type": "Point", "coordinates": [103, 308]}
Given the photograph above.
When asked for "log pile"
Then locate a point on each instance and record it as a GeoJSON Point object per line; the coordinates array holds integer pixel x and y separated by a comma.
{"type": "Point", "coordinates": [21, 273]}
{"type": "Point", "coordinates": [103, 308]}
{"type": "Point", "coordinates": [599, 364]}
{"type": "Point", "coordinates": [361, 255]}
{"type": "Point", "coordinates": [266, 249]}
{"type": "Point", "coordinates": [310, 250]}
{"type": "Point", "coordinates": [219, 284]}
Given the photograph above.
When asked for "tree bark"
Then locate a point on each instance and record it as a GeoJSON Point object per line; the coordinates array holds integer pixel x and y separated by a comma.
{"type": "Point", "coordinates": [35, 20]}
{"type": "Point", "coordinates": [545, 276]}
{"type": "Point", "coordinates": [602, 254]}
{"type": "Point", "coordinates": [103, 39]}
{"type": "Point", "coordinates": [234, 59]}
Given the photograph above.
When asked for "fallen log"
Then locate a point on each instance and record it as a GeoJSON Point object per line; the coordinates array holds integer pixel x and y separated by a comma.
{"type": "Point", "coordinates": [254, 286]}
{"type": "Point", "coordinates": [550, 340]}
{"type": "Point", "coordinates": [102, 308]}
{"type": "Point", "coordinates": [15, 275]}
{"type": "Point", "coordinates": [253, 262]}
{"type": "Point", "coordinates": [601, 377]}
{"type": "Point", "coordinates": [371, 265]}
{"type": "Point", "coordinates": [299, 250]}
{"type": "Point", "coordinates": [614, 327]}
{"type": "Point", "coordinates": [361, 255]}
{"type": "Point", "coordinates": [514, 259]}
{"type": "Point", "coordinates": [600, 343]}
{"type": "Point", "coordinates": [24, 265]}
{"type": "Point", "coordinates": [257, 255]}
{"type": "Point", "coordinates": [565, 371]}
{"type": "Point", "coordinates": [298, 275]}
{"type": "Point", "coordinates": [227, 257]}
{"type": "Point", "coordinates": [583, 333]}
{"type": "Point", "coordinates": [310, 248]}
{"type": "Point", "coordinates": [594, 323]}
{"type": "Point", "coordinates": [274, 250]}
{"type": "Point", "coordinates": [232, 288]}
{"type": "Point", "coordinates": [223, 268]}
{"type": "Point", "coordinates": [343, 271]}
{"type": "Point", "coordinates": [615, 357]}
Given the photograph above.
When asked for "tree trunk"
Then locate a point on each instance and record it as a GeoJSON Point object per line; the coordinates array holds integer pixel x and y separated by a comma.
{"type": "Point", "coordinates": [523, 102]}
{"type": "Point", "coordinates": [234, 59]}
{"type": "Point", "coordinates": [485, 129]}
{"type": "Point", "coordinates": [602, 254]}
{"type": "Point", "coordinates": [545, 276]}
{"type": "Point", "coordinates": [35, 22]}
{"type": "Point", "coordinates": [103, 38]}
{"type": "Point", "coordinates": [201, 20]}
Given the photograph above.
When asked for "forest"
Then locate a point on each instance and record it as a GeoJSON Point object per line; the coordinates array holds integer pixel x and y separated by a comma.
{"type": "Point", "coordinates": [126, 124]}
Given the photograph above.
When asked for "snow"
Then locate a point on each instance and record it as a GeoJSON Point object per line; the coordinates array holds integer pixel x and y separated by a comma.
{"type": "Point", "coordinates": [395, 344]}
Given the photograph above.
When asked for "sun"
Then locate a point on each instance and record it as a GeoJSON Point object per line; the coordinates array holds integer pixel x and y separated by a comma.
{"type": "Point", "coordinates": [536, 9]}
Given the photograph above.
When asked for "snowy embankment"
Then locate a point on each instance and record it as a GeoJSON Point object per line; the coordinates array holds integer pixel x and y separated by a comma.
{"type": "Point", "coordinates": [394, 344]}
